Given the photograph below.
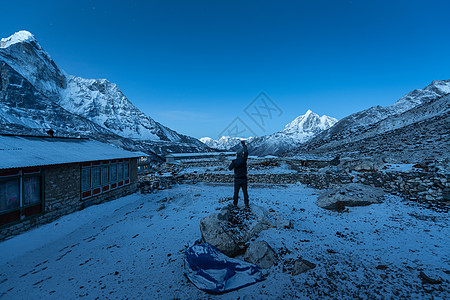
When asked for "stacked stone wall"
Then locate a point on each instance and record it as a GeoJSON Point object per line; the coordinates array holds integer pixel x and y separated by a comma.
{"type": "Point", "coordinates": [428, 186]}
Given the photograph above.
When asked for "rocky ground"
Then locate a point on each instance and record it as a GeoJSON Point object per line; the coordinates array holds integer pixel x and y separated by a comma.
{"type": "Point", "coordinates": [133, 248]}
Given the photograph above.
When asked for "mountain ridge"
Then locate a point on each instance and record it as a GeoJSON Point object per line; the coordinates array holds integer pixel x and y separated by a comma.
{"type": "Point", "coordinates": [416, 111]}
{"type": "Point", "coordinates": [97, 100]}
{"type": "Point", "coordinates": [225, 142]}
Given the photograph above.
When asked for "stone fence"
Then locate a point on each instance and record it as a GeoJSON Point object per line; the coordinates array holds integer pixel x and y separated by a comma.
{"type": "Point", "coordinates": [415, 185]}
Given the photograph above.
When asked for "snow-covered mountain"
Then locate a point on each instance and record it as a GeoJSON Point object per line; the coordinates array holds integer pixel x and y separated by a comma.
{"type": "Point", "coordinates": [300, 130]}
{"type": "Point", "coordinates": [97, 102]}
{"type": "Point", "coordinates": [391, 128]}
{"type": "Point", "coordinates": [354, 124]}
{"type": "Point", "coordinates": [225, 142]}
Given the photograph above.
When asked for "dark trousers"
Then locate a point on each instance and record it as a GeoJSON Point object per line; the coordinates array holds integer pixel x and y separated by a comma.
{"type": "Point", "coordinates": [240, 183]}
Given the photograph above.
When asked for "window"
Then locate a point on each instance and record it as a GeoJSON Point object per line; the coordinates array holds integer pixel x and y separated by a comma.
{"type": "Point", "coordinates": [101, 177]}
{"type": "Point", "coordinates": [85, 179]}
{"type": "Point", "coordinates": [105, 175]}
{"type": "Point", "coordinates": [120, 171]}
{"type": "Point", "coordinates": [113, 169]}
{"type": "Point", "coordinates": [96, 176]}
{"type": "Point", "coordinates": [20, 195]}
{"type": "Point", "coordinates": [31, 190]}
{"type": "Point", "coordinates": [9, 194]}
{"type": "Point", "coordinates": [126, 170]}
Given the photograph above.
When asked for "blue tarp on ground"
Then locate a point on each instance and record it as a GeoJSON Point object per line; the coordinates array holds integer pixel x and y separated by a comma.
{"type": "Point", "coordinates": [212, 271]}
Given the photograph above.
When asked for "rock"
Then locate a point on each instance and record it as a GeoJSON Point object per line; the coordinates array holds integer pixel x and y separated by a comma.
{"type": "Point", "coordinates": [280, 221]}
{"type": "Point", "coordinates": [261, 254]}
{"type": "Point", "coordinates": [426, 279]}
{"type": "Point", "coordinates": [214, 234]}
{"type": "Point", "coordinates": [301, 266]}
{"type": "Point", "coordinates": [361, 164]}
{"type": "Point", "coordinates": [230, 230]}
{"type": "Point", "coordinates": [361, 195]}
{"type": "Point", "coordinates": [335, 161]}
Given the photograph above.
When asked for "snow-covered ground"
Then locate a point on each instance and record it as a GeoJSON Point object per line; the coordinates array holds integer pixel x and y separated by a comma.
{"type": "Point", "coordinates": [399, 167]}
{"type": "Point", "coordinates": [133, 248]}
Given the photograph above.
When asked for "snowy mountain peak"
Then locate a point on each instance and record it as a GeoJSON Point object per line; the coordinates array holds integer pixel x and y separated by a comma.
{"type": "Point", "coordinates": [300, 130]}
{"type": "Point", "coordinates": [441, 85]}
{"type": "Point", "coordinates": [437, 88]}
{"type": "Point", "coordinates": [18, 37]}
{"type": "Point", "coordinates": [309, 122]}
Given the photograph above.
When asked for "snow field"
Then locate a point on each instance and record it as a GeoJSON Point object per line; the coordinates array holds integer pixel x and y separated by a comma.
{"type": "Point", "coordinates": [133, 248]}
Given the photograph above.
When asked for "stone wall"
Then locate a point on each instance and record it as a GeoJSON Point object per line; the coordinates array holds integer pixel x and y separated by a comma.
{"type": "Point", "coordinates": [62, 196]}
{"type": "Point", "coordinates": [429, 186]}
{"type": "Point", "coordinates": [314, 179]}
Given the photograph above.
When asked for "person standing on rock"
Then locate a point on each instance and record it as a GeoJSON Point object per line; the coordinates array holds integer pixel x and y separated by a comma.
{"type": "Point", "coordinates": [240, 175]}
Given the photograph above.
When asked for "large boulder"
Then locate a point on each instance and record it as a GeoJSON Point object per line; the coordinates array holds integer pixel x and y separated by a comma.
{"type": "Point", "coordinates": [230, 230]}
{"type": "Point", "coordinates": [353, 194]}
{"type": "Point", "coordinates": [261, 254]}
{"type": "Point", "coordinates": [361, 164]}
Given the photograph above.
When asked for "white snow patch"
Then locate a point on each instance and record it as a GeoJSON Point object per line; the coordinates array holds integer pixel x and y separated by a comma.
{"type": "Point", "coordinates": [18, 37]}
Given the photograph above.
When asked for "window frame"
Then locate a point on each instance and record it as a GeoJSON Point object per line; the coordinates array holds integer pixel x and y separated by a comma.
{"type": "Point", "coordinates": [114, 179]}
{"type": "Point", "coordinates": [99, 183]}
{"type": "Point", "coordinates": [84, 188]}
{"type": "Point", "coordinates": [108, 181]}
{"type": "Point", "coordinates": [23, 210]}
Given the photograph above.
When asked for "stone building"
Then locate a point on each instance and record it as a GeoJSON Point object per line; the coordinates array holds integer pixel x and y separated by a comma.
{"type": "Point", "coordinates": [44, 178]}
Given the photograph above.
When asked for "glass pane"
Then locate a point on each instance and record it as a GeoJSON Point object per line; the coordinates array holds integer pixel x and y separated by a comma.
{"type": "Point", "coordinates": [85, 179]}
{"type": "Point", "coordinates": [9, 194]}
{"type": "Point", "coordinates": [96, 176]}
{"type": "Point", "coordinates": [126, 170]}
{"type": "Point", "coordinates": [113, 172]}
{"type": "Point", "coordinates": [31, 190]}
{"type": "Point", "coordinates": [105, 174]}
{"type": "Point", "coordinates": [120, 171]}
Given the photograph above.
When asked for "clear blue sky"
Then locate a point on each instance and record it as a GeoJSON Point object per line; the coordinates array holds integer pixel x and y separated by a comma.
{"type": "Point", "coordinates": [195, 65]}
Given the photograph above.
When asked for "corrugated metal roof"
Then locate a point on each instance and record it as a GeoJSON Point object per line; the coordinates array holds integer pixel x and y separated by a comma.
{"type": "Point", "coordinates": [29, 151]}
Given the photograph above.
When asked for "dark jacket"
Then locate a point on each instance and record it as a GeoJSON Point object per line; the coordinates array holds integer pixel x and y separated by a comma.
{"type": "Point", "coordinates": [240, 164]}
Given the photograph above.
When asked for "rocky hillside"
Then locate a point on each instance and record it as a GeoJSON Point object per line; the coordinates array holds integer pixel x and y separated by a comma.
{"type": "Point", "coordinates": [300, 130]}
{"type": "Point", "coordinates": [416, 126]}
{"type": "Point", "coordinates": [36, 95]}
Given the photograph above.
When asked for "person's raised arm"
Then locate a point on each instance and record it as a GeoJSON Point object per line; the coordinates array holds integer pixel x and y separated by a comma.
{"type": "Point", "coordinates": [245, 149]}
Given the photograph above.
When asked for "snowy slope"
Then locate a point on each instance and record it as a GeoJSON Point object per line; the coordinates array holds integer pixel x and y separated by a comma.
{"type": "Point", "coordinates": [225, 142]}
{"type": "Point", "coordinates": [97, 100]}
{"type": "Point", "coordinates": [434, 90]}
{"type": "Point", "coordinates": [132, 248]}
{"type": "Point", "coordinates": [300, 130]}
{"type": "Point", "coordinates": [415, 106]}
{"type": "Point", "coordinates": [24, 109]}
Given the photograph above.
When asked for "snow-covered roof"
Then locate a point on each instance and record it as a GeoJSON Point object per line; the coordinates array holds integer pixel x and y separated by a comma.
{"type": "Point", "coordinates": [29, 151]}
{"type": "Point", "coordinates": [202, 154]}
